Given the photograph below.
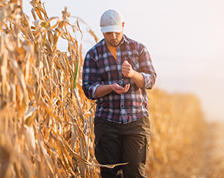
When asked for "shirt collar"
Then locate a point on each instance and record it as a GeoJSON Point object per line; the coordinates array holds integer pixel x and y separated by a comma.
{"type": "Point", "coordinates": [124, 39]}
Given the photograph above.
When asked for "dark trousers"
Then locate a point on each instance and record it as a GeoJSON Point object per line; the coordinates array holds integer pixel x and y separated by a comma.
{"type": "Point", "coordinates": [121, 143]}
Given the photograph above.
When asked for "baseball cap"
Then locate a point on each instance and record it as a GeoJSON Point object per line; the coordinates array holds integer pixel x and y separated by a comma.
{"type": "Point", "coordinates": [111, 21]}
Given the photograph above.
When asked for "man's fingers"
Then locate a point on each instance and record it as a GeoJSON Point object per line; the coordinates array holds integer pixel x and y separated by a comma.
{"type": "Point", "coordinates": [120, 90]}
{"type": "Point", "coordinates": [126, 69]}
{"type": "Point", "coordinates": [119, 87]}
{"type": "Point", "coordinates": [125, 62]}
{"type": "Point", "coordinates": [127, 86]}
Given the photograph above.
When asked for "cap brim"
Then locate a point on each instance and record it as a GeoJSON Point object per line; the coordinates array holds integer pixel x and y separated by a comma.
{"type": "Point", "coordinates": [114, 28]}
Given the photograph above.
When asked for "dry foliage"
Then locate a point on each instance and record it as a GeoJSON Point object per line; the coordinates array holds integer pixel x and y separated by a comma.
{"type": "Point", "coordinates": [45, 119]}
{"type": "Point", "coordinates": [214, 146]}
{"type": "Point", "coordinates": [177, 135]}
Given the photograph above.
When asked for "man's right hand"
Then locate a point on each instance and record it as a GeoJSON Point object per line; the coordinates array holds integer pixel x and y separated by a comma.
{"type": "Point", "coordinates": [120, 90]}
{"type": "Point", "coordinates": [103, 90]}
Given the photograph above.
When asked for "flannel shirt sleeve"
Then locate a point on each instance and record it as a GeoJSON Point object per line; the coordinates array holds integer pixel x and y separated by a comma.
{"type": "Point", "coordinates": [146, 68]}
{"type": "Point", "coordinates": [90, 77]}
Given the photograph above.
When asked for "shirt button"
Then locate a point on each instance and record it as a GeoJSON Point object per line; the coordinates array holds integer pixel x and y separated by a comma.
{"type": "Point", "coordinates": [120, 82]}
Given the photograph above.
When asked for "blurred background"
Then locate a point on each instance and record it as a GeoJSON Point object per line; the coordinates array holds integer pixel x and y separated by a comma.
{"type": "Point", "coordinates": [184, 37]}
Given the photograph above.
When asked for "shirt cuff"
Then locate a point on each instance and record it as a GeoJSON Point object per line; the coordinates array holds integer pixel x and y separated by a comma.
{"type": "Point", "coordinates": [94, 91]}
{"type": "Point", "coordinates": [148, 80]}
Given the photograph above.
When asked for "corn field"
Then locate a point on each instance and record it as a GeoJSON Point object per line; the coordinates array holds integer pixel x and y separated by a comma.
{"type": "Point", "coordinates": [177, 135]}
{"type": "Point", "coordinates": [46, 122]}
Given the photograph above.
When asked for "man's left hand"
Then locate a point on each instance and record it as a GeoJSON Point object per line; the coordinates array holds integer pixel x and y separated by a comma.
{"type": "Point", "coordinates": [126, 69]}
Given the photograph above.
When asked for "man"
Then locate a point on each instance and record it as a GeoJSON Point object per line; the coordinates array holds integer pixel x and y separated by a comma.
{"type": "Point", "coordinates": [116, 72]}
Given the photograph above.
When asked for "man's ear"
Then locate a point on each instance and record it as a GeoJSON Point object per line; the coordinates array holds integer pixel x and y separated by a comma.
{"type": "Point", "coordinates": [123, 24]}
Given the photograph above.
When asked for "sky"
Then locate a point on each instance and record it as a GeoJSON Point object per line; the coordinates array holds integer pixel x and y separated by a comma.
{"type": "Point", "coordinates": [185, 39]}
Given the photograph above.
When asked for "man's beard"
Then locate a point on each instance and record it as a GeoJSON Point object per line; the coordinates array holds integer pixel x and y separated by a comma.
{"type": "Point", "coordinates": [114, 43]}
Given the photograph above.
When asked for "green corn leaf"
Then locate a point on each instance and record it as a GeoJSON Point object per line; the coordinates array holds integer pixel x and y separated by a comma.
{"type": "Point", "coordinates": [76, 75]}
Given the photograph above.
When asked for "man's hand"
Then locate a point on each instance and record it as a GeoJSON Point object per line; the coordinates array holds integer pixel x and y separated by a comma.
{"type": "Point", "coordinates": [137, 77]}
{"type": "Point", "coordinates": [127, 70]}
{"type": "Point", "coordinates": [120, 90]}
{"type": "Point", "coordinates": [103, 90]}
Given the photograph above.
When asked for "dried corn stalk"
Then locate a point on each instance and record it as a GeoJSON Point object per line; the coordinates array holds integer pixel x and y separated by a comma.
{"type": "Point", "coordinates": [45, 119]}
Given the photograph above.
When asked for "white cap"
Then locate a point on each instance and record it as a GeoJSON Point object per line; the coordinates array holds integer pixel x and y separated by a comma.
{"type": "Point", "coordinates": [111, 21]}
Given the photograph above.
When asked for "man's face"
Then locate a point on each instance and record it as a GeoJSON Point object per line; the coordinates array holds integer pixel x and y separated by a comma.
{"type": "Point", "coordinates": [113, 38]}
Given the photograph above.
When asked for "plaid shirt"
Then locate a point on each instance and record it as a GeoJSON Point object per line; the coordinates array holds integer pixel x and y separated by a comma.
{"type": "Point", "coordinates": [101, 68]}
